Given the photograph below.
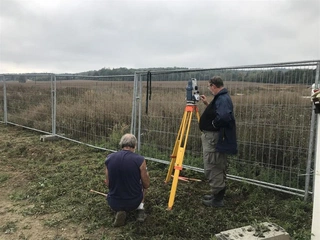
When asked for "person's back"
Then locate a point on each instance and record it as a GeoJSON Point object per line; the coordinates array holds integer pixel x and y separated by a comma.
{"type": "Point", "coordinates": [124, 179]}
{"type": "Point", "coordinates": [127, 178]}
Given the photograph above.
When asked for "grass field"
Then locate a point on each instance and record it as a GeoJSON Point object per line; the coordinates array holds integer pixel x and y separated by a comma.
{"type": "Point", "coordinates": [45, 195]}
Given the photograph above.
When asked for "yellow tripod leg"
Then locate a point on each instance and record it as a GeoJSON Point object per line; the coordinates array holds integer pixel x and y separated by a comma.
{"type": "Point", "coordinates": [173, 156]}
{"type": "Point", "coordinates": [197, 113]}
{"type": "Point", "coordinates": [175, 149]}
{"type": "Point", "coordinates": [184, 132]}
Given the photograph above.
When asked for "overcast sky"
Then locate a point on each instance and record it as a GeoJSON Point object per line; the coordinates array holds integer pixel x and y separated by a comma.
{"type": "Point", "coordinates": [70, 36]}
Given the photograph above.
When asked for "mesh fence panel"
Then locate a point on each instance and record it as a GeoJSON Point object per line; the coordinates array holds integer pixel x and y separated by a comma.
{"type": "Point", "coordinates": [94, 110]}
{"type": "Point", "coordinates": [29, 101]}
{"type": "Point", "coordinates": [1, 99]}
{"type": "Point", "coordinates": [272, 108]}
{"type": "Point", "coordinates": [271, 103]}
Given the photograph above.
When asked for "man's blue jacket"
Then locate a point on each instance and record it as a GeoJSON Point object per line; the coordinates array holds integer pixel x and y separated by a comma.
{"type": "Point", "coordinates": [219, 116]}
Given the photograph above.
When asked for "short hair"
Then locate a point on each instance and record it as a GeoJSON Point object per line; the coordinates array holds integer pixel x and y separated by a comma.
{"type": "Point", "coordinates": [128, 140]}
{"type": "Point", "coordinates": [217, 81]}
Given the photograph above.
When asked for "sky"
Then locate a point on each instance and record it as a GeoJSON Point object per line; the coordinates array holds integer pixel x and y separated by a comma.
{"type": "Point", "coordinates": [72, 36]}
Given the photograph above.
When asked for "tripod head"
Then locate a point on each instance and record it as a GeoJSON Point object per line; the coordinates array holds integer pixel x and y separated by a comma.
{"type": "Point", "coordinates": [192, 95]}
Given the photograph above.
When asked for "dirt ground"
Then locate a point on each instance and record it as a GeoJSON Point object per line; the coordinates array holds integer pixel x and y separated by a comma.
{"type": "Point", "coordinates": [15, 223]}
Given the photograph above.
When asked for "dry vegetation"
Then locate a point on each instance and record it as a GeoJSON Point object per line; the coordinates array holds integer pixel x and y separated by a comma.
{"type": "Point", "coordinates": [45, 185]}
{"type": "Point", "coordinates": [273, 120]}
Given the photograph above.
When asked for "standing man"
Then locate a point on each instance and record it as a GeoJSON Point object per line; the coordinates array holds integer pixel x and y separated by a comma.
{"type": "Point", "coordinates": [218, 138]}
{"type": "Point", "coordinates": [127, 178]}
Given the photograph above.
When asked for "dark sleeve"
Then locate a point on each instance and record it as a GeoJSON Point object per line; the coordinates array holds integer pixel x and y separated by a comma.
{"type": "Point", "coordinates": [224, 113]}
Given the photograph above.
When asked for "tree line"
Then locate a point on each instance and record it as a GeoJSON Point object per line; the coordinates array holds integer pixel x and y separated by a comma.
{"type": "Point", "coordinates": [276, 75]}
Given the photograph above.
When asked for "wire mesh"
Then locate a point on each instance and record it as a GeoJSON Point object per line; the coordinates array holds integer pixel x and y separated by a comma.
{"type": "Point", "coordinates": [28, 99]}
{"type": "Point", "coordinates": [272, 108]}
{"type": "Point", "coordinates": [1, 98]}
{"type": "Point", "coordinates": [271, 103]}
{"type": "Point", "coordinates": [94, 110]}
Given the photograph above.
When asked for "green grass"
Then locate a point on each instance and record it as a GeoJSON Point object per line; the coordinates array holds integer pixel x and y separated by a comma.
{"type": "Point", "coordinates": [57, 177]}
{"type": "Point", "coordinates": [3, 177]}
{"type": "Point", "coordinates": [9, 227]}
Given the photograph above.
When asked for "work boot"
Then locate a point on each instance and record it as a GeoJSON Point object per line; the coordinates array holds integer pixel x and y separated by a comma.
{"type": "Point", "coordinates": [120, 219]}
{"type": "Point", "coordinates": [208, 197]}
{"type": "Point", "coordinates": [141, 215]}
{"type": "Point", "coordinates": [220, 195]}
{"type": "Point", "coordinates": [216, 201]}
{"type": "Point", "coordinates": [213, 203]}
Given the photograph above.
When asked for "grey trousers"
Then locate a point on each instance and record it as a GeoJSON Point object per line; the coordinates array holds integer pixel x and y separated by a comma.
{"type": "Point", "coordinates": [215, 163]}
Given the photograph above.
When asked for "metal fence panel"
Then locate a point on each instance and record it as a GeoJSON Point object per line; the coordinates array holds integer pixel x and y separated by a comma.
{"type": "Point", "coordinates": [2, 99]}
{"type": "Point", "coordinates": [271, 103]}
{"type": "Point", "coordinates": [273, 113]}
{"type": "Point", "coordinates": [28, 99]}
{"type": "Point", "coordinates": [94, 110]}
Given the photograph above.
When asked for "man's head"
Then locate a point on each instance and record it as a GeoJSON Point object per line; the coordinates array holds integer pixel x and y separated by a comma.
{"type": "Point", "coordinates": [215, 84]}
{"type": "Point", "coordinates": [128, 141]}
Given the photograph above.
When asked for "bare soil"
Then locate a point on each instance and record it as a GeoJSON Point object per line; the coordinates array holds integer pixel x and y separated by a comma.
{"type": "Point", "coordinates": [16, 225]}
{"type": "Point", "coordinates": [15, 222]}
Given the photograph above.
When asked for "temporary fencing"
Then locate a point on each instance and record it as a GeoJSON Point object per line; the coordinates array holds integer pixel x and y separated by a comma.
{"type": "Point", "coordinates": [272, 106]}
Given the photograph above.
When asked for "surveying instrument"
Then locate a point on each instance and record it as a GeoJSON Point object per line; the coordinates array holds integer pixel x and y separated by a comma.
{"type": "Point", "coordinates": [192, 96]}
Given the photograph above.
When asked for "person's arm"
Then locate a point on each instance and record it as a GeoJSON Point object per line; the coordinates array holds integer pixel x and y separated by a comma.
{"type": "Point", "coordinates": [224, 114]}
{"type": "Point", "coordinates": [107, 178]}
{"type": "Point", "coordinates": [145, 179]}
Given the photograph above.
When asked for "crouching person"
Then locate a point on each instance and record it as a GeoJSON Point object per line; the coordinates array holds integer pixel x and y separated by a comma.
{"type": "Point", "coordinates": [127, 179]}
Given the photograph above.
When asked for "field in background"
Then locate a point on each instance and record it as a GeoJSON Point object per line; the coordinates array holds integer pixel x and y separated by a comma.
{"type": "Point", "coordinates": [46, 185]}
{"type": "Point", "coordinates": [273, 121]}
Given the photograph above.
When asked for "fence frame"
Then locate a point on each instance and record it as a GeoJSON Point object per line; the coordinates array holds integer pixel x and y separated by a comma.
{"type": "Point", "coordinates": [136, 116]}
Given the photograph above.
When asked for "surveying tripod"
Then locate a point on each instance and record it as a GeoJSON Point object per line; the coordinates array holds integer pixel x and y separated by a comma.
{"type": "Point", "coordinates": [179, 149]}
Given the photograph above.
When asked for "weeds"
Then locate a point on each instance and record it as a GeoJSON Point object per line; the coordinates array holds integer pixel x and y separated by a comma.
{"type": "Point", "coordinates": [57, 177]}
{"type": "Point", "coordinates": [3, 177]}
{"type": "Point", "coordinates": [9, 227]}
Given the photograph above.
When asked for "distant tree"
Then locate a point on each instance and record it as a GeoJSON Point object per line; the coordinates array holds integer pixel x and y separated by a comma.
{"type": "Point", "coordinates": [22, 79]}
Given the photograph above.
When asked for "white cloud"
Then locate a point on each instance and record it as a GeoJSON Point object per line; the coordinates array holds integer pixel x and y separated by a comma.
{"type": "Point", "coordinates": [75, 36]}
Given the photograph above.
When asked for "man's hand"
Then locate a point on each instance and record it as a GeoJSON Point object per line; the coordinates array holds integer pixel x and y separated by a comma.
{"type": "Point", "coordinates": [204, 99]}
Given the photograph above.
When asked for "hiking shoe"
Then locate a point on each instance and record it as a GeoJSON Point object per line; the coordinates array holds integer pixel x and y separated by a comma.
{"type": "Point", "coordinates": [141, 215]}
{"type": "Point", "coordinates": [208, 197]}
{"type": "Point", "coordinates": [213, 203]}
{"type": "Point", "coordinates": [120, 219]}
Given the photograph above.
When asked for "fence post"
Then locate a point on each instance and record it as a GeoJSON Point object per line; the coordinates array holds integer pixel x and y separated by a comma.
{"type": "Point", "coordinates": [53, 103]}
{"type": "Point", "coordinates": [136, 106]}
{"type": "Point", "coordinates": [316, 188]}
{"type": "Point", "coordinates": [311, 148]}
{"type": "Point", "coordinates": [134, 103]}
{"type": "Point", "coordinates": [315, 230]}
{"type": "Point", "coordinates": [5, 107]}
{"type": "Point", "coordinates": [140, 114]}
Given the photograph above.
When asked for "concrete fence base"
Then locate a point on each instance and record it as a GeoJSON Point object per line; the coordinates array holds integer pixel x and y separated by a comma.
{"type": "Point", "coordinates": [45, 138]}
{"type": "Point", "coordinates": [266, 231]}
